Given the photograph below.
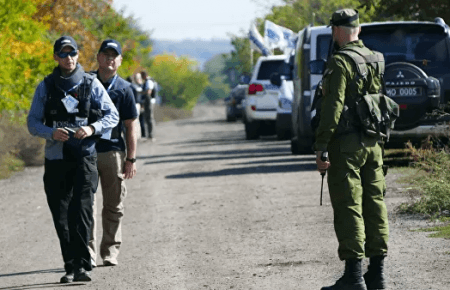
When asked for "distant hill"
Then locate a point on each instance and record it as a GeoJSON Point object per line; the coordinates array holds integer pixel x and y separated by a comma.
{"type": "Point", "coordinates": [198, 49]}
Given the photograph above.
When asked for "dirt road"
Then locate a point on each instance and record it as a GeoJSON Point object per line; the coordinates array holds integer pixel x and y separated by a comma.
{"type": "Point", "coordinates": [210, 210]}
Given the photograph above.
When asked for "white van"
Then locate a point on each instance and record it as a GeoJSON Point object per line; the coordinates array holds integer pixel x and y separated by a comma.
{"type": "Point", "coordinates": [261, 99]}
{"type": "Point", "coordinates": [313, 43]}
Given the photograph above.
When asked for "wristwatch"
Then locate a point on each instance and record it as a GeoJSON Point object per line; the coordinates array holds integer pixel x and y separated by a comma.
{"type": "Point", "coordinates": [132, 160]}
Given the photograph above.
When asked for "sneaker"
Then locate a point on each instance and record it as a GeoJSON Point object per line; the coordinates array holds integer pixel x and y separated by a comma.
{"type": "Point", "coordinates": [67, 278]}
{"type": "Point", "coordinates": [93, 263]}
{"type": "Point", "coordinates": [82, 275]}
{"type": "Point", "coordinates": [109, 263]}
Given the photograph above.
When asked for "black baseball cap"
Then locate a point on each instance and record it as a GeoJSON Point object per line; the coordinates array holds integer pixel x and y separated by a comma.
{"type": "Point", "coordinates": [345, 17]}
{"type": "Point", "coordinates": [111, 43]}
{"type": "Point", "coordinates": [64, 41]}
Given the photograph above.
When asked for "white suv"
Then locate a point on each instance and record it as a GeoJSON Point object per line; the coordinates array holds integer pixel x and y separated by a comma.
{"type": "Point", "coordinates": [261, 99]}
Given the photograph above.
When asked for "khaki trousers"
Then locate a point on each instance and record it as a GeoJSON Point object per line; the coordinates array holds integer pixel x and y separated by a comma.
{"type": "Point", "coordinates": [110, 169]}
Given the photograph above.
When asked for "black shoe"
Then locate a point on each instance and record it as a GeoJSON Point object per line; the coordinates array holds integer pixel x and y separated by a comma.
{"type": "Point", "coordinates": [67, 278]}
{"type": "Point", "coordinates": [341, 284]}
{"type": "Point", "coordinates": [82, 275]}
{"type": "Point", "coordinates": [375, 275]}
{"type": "Point", "coordinates": [352, 278]}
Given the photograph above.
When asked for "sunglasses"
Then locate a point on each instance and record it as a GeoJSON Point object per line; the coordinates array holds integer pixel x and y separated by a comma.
{"type": "Point", "coordinates": [65, 54]}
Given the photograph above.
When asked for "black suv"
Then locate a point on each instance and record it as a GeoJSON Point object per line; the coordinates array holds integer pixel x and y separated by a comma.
{"type": "Point", "coordinates": [417, 76]}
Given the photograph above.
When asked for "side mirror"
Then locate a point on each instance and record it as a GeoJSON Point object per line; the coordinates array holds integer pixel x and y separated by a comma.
{"type": "Point", "coordinates": [275, 79]}
{"type": "Point", "coordinates": [317, 67]}
{"type": "Point", "coordinates": [244, 80]}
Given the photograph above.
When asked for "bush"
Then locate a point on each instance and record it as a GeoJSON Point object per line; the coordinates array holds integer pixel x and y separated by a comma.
{"type": "Point", "coordinates": [17, 147]}
{"type": "Point", "coordinates": [432, 181]}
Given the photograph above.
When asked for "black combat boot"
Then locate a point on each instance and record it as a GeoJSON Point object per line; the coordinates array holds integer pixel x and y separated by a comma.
{"type": "Point", "coordinates": [375, 275]}
{"type": "Point", "coordinates": [352, 278]}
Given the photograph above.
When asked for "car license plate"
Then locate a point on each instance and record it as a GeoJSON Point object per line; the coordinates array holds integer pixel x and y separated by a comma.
{"type": "Point", "coordinates": [404, 91]}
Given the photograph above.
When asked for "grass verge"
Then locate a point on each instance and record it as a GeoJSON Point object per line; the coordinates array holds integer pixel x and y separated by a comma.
{"type": "Point", "coordinates": [430, 187]}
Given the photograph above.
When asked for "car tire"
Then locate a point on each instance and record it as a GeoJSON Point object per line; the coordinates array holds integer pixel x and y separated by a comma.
{"type": "Point", "coordinates": [231, 119]}
{"type": "Point", "coordinates": [283, 134]}
{"type": "Point", "coordinates": [300, 149]}
{"type": "Point", "coordinates": [251, 130]}
{"type": "Point", "coordinates": [294, 147]}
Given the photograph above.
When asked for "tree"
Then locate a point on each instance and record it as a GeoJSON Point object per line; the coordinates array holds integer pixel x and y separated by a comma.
{"type": "Point", "coordinates": [26, 56]}
{"type": "Point", "coordinates": [425, 10]}
{"type": "Point", "coordinates": [295, 15]}
{"type": "Point", "coordinates": [181, 82]}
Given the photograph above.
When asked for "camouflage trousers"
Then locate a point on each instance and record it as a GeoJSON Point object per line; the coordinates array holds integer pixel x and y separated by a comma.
{"type": "Point", "coordinates": [356, 184]}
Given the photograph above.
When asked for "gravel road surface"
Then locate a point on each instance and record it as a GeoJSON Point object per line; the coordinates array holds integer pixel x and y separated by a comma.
{"type": "Point", "coordinates": [210, 210]}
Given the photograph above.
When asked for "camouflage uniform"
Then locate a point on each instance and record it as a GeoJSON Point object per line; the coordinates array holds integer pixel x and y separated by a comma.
{"type": "Point", "coordinates": [355, 177]}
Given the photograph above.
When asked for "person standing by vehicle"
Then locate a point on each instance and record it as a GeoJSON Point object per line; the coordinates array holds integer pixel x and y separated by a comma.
{"type": "Point", "coordinates": [137, 90]}
{"type": "Point", "coordinates": [69, 108]}
{"type": "Point", "coordinates": [114, 165]}
{"type": "Point", "coordinates": [355, 174]}
{"type": "Point", "coordinates": [148, 94]}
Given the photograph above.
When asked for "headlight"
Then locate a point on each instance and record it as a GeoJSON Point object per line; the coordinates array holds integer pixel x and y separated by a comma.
{"type": "Point", "coordinates": [285, 104]}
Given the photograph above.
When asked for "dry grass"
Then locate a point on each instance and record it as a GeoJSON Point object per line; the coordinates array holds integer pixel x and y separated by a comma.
{"type": "Point", "coordinates": [19, 149]}
{"type": "Point", "coordinates": [165, 113]}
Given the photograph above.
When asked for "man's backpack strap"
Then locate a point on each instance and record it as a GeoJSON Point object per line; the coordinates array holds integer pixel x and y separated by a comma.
{"type": "Point", "coordinates": [361, 60]}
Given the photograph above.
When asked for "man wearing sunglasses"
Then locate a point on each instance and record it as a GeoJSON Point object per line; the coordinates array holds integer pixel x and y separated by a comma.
{"type": "Point", "coordinates": [71, 110]}
{"type": "Point", "coordinates": [116, 157]}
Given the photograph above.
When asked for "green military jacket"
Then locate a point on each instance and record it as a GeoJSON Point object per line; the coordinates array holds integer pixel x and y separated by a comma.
{"type": "Point", "coordinates": [338, 91]}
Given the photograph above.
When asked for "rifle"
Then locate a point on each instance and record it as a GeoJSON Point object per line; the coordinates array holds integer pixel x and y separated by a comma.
{"type": "Point", "coordinates": [323, 157]}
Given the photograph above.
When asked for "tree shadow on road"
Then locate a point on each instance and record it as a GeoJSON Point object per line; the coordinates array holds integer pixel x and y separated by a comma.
{"type": "Point", "coordinates": [61, 270]}
{"type": "Point", "coordinates": [37, 285]}
{"type": "Point", "coordinates": [42, 286]}
{"type": "Point", "coordinates": [288, 160]}
{"type": "Point", "coordinates": [215, 158]}
{"type": "Point", "coordinates": [311, 166]}
{"type": "Point", "coordinates": [244, 152]}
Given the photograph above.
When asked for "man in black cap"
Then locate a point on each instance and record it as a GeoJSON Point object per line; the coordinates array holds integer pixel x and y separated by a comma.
{"type": "Point", "coordinates": [116, 157]}
{"type": "Point", "coordinates": [71, 110]}
{"type": "Point", "coordinates": [356, 179]}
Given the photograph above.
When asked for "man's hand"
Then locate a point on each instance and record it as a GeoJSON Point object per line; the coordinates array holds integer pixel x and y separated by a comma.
{"type": "Point", "coordinates": [129, 170]}
{"type": "Point", "coordinates": [84, 132]}
{"type": "Point", "coordinates": [322, 166]}
{"type": "Point", "coordinates": [61, 135]}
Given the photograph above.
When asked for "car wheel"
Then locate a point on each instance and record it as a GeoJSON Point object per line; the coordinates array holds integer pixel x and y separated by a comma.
{"type": "Point", "coordinates": [294, 147]}
{"type": "Point", "coordinates": [283, 134]}
{"type": "Point", "coordinates": [251, 130]}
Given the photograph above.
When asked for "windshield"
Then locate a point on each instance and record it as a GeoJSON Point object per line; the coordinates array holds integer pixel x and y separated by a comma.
{"type": "Point", "coordinates": [423, 45]}
{"type": "Point", "coordinates": [270, 66]}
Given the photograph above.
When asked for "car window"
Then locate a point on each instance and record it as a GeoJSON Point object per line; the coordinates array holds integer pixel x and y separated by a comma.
{"type": "Point", "coordinates": [323, 46]}
{"type": "Point", "coordinates": [412, 43]}
{"type": "Point", "coordinates": [270, 66]}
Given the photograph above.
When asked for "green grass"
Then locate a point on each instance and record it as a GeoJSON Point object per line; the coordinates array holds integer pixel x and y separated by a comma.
{"type": "Point", "coordinates": [441, 231]}
{"type": "Point", "coordinates": [9, 164]}
{"type": "Point", "coordinates": [428, 180]}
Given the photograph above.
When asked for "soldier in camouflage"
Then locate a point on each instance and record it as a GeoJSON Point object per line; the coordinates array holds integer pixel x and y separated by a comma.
{"type": "Point", "coordinates": [355, 175]}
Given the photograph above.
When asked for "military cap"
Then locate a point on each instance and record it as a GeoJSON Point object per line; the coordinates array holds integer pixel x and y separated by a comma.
{"type": "Point", "coordinates": [345, 17]}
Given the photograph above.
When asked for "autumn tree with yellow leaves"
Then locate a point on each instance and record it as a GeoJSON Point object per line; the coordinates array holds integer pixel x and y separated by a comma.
{"type": "Point", "coordinates": [29, 28]}
{"type": "Point", "coordinates": [26, 53]}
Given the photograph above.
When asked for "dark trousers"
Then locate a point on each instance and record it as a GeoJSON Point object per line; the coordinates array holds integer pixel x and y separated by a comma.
{"type": "Point", "coordinates": [70, 187]}
{"type": "Point", "coordinates": [148, 118]}
{"type": "Point", "coordinates": [142, 123]}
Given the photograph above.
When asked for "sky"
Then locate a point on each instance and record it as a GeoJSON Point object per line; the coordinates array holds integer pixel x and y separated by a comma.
{"type": "Point", "coordinates": [194, 19]}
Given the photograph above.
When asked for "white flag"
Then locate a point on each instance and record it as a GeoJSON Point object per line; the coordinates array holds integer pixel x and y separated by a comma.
{"type": "Point", "coordinates": [276, 36]}
{"type": "Point", "coordinates": [257, 41]}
